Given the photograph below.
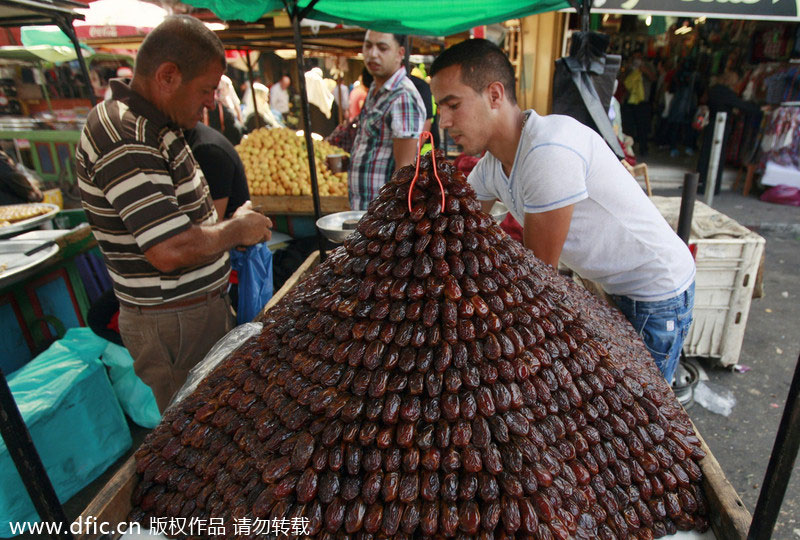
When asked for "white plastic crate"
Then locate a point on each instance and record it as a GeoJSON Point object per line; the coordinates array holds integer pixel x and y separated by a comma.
{"type": "Point", "coordinates": [728, 258]}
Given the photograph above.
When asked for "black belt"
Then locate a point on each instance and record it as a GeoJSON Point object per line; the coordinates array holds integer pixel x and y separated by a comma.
{"type": "Point", "coordinates": [185, 302]}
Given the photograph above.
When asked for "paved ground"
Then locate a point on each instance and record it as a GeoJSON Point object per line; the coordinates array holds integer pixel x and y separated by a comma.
{"type": "Point", "coordinates": [741, 442]}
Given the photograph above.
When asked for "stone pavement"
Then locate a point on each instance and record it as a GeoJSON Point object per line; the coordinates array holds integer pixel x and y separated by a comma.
{"type": "Point", "coordinates": [742, 442]}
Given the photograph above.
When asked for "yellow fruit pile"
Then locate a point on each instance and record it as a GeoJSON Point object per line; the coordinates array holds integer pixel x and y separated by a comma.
{"type": "Point", "coordinates": [13, 213]}
{"type": "Point", "coordinates": [276, 163]}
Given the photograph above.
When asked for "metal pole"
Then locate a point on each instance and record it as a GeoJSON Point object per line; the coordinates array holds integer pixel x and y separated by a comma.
{"type": "Point", "coordinates": [339, 91]}
{"type": "Point", "coordinates": [687, 206]}
{"type": "Point", "coordinates": [407, 55]}
{"type": "Point", "coordinates": [586, 7]}
{"type": "Point", "coordinates": [312, 165]}
{"type": "Point", "coordinates": [251, 78]}
{"type": "Point", "coordinates": [780, 466]}
{"type": "Point", "coordinates": [44, 88]}
{"type": "Point", "coordinates": [65, 24]}
{"type": "Point", "coordinates": [714, 160]}
{"type": "Point", "coordinates": [29, 464]}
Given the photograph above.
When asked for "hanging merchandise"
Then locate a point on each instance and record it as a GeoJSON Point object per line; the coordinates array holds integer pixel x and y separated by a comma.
{"type": "Point", "coordinates": [783, 86]}
{"type": "Point", "coordinates": [780, 140]}
{"type": "Point", "coordinates": [780, 147]}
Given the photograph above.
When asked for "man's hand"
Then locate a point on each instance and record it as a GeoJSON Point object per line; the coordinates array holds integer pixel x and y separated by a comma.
{"type": "Point", "coordinates": [256, 226]}
{"type": "Point", "coordinates": [546, 232]}
{"type": "Point", "coordinates": [202, 243]}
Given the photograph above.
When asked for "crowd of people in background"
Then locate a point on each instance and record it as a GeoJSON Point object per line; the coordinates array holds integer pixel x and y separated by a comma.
{"type": "Point", "coordinates": [332, 104]}
{"type": "Point", "coordinates": [672, 103]}
{"type": "Point", "coordinates": [178, 85]}
{"type": "Point", "coordinates": [665, 103]}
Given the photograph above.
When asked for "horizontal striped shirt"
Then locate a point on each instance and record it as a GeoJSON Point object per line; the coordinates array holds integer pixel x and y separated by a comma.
{"type": "Point", "coordinates": [140, 185]}
{"type": "Point", "coordinates": [393, 111]}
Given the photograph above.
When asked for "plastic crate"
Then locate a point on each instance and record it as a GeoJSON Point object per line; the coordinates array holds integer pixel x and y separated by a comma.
{"type": "Point", "coordinates": [728, 258]}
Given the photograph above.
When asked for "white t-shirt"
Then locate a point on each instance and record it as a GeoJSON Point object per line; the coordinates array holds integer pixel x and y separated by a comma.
{"type": "Point", "coordinates": [279, 98]}
{"type": "Point", "coordinates": [616, 237]}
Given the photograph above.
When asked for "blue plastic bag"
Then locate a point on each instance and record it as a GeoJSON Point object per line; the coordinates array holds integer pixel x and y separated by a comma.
{"type": "Point", "coordinates": [134, 395]}
{"type": "Point", "coordinates": [73, 417]}
{"type": "Point", "coordinates": [254, 266]}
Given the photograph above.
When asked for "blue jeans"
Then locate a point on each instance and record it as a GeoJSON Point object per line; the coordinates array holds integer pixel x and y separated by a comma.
{"type": "Point", "coordinates": [662, 325]}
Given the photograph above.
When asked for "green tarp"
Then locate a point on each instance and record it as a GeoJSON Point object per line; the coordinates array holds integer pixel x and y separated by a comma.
{"type": "Point", "coordinates": [57, 54]}
{"type": "Point", "coordinates": [47, 35]}
{"type": "Point", "coordinates": [419, 17]}
{"type": "Point", "coordinates": [38, 53]}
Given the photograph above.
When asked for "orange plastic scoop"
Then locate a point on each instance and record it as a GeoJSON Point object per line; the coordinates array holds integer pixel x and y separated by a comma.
{"type": "Point", "coordinates": [416, 172]}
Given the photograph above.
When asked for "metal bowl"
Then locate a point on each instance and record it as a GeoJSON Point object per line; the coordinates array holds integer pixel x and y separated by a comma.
{"type": "Point", "coordinates": [14, 263]}
{"type": "Point", "coordinates": [499, 211]}
{"type": "Point", "coordinates": [332, 224]}
{"type": "Point", "coordinates": [30, 223]}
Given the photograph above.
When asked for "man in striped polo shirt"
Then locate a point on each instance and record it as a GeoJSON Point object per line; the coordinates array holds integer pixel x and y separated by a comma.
{"type": "Point", "coordinates": [150, 208]}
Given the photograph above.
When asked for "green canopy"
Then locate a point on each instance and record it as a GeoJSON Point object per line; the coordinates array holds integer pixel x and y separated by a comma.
{"type": "Point", "coordinates": [38, 53]}
{"type": "Point", "coordinates": [420, 17]}
{"type": "Point", "coordinates": [52, 35]}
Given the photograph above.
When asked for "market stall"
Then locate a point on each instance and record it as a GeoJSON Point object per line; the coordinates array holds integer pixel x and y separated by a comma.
{"type": "Point", "coordinates": [309, 142]}
{"type": "Point", "coordinates": [16, 436]}
{"type": "Point", "coordinates": [276, 162]}
{"type": "Point", "coordinates": [690, 52]}
{"type": "Point", "coordinates": [137, 492]}
{"type": "Point", "coordinates": [728, 517]}
{"type": "Point", "coordinates": [43, 117]}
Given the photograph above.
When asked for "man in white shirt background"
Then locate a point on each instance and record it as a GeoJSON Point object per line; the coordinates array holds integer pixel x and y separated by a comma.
{"type": "Point", "coordinates": [575, 200]}
{"type": "Point", "coordinates": [279, 97]}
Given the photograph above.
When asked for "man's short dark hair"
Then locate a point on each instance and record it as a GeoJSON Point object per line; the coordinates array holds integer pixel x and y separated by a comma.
{"type": "Point", "coordinates": [482, 63]}
{"type": "Point", "coordinates": [401, 39]}
{"type": "Point", "coordinates": [184, 41]}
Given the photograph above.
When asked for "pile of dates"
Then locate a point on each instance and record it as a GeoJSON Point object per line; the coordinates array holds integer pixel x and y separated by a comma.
{"type": "Point", "coordinates": [431, 378]}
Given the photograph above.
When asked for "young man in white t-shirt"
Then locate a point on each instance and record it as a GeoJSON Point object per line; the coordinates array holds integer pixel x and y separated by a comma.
{"type": "Point", "coordinates": [575, 200]}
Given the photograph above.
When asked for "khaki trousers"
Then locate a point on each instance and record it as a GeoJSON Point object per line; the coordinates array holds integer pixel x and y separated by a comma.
{"type": "Point", "coordinates": [167, 343]}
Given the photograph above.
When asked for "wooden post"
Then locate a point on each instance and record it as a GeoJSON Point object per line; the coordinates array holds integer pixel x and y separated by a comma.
{"type": "Point", "coordinates": [251, 78]}
{"type": "Point", "coordinates": [540, 38]}
{"type": "Point", "coordinates": [688, 197]}
{"type": "Point", "coordinates": [65, 24]}
{"type": "Point", "coordinates": [339, 92]}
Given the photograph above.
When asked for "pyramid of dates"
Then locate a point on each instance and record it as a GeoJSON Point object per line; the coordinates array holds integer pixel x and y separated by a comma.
{"type": "Point", "coordinates": [432, 378]}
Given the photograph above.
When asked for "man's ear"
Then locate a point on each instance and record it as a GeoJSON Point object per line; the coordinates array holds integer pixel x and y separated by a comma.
{"type": "Point", "coordinates": [168, 76]}
{"type": "Point", "coordinates": [497, 93]}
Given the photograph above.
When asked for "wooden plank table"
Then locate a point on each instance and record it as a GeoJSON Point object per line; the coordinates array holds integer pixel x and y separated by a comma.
{"type": "Point", "coordinates": [730, 519]}
{"type": "Point", "coordinates": [301, 205]}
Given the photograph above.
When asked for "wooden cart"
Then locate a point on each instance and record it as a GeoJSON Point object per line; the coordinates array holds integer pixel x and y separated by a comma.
{"type": "Point", "coordinates": [730, 520]}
